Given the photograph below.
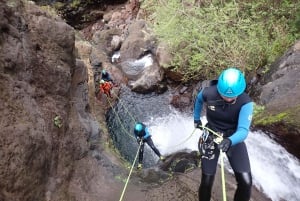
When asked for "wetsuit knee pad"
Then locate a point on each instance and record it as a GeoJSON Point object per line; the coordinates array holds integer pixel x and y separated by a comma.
{"type": "Point", "coordinates": [206, 187]}
{"type": "Point", "coordinates": [243, 192]}
{"type": "Point", "coordinates": [244, 178]}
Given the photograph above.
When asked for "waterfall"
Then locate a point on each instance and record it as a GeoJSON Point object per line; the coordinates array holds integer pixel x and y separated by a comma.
{"type": "Point", "coordinates": [275, 172]}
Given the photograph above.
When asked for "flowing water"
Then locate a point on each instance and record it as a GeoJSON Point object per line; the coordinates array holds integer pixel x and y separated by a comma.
{"type": "Point", "coordinates": [275, 171]}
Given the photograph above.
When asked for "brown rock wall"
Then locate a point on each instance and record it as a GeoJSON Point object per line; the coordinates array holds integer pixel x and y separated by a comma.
{"type": "Point", "coordinates": [36, 58]}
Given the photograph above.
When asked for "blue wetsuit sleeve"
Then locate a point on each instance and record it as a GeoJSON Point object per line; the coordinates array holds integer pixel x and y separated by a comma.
{"type": "Point", "coordinates": [147, 133]}
{"type": "Point", "coordinates": [244, 122]}
{"type": "Point", "coordinates": [198, 106]}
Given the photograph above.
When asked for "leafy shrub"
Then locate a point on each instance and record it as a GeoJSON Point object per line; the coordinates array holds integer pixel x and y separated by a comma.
{"type": "Point", "coordinates": [208, 36]}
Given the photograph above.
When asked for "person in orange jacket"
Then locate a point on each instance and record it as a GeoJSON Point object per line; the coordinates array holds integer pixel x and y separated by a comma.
{"type": "Point", "coordinates": [105, 87]}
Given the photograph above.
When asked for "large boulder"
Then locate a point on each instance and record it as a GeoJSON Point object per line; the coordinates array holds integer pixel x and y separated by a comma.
{"type": "Point", "coordinates": [138, 61]}
{"type": "Point", "coordinates": [280, 96]}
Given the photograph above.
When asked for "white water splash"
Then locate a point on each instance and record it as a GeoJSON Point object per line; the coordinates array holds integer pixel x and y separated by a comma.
{"type": "Point", "coordinates": [144, 61]}
{"type": "Point", "coordinates": [275, 172]}
{"type": "Point", "coordinates": [174, 133]}
{"type": "Point", "coordinates": [115, 57]}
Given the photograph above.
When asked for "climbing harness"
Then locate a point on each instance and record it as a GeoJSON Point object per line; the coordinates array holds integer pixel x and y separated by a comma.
{"type": "Point", "coordinates": [206, 145]}
{"type": "Point", "coordinates": [131, 169]}
{"type": "Point", "coordinates": [214, 138]}
{"type": "Point", "coordinates": [140, 140]}
{"type": "Point", "coordinates": [207, 141]}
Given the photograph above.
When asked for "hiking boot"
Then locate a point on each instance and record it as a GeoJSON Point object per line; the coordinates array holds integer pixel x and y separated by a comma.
{"type": "Point", "coordinates": [140, 166]}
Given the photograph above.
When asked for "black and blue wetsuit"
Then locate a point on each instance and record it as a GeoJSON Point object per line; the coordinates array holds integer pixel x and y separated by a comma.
{"type": "Point", "coordinates": [233, 120]}
{"type": "Point", "coordinates": [145, 136]}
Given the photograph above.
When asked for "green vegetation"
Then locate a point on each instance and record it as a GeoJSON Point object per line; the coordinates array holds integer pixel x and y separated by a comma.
{"type": "Point", "coordinates": [258, 109]}
{"type": "Point", "coordinates": [263, 119]}
{"type": "Point", "coordinates": [58, 5]}
{"type": "Point", "coordinates": [288, 117]}
{"type": "Point", "coordinates": [75, 3]}
{"type": "Point", "coordinates": [209, 35]}
{"type": "Point", "coordinates": [57, 121]}
{"type": "Point", "coordinates": [50, 10]}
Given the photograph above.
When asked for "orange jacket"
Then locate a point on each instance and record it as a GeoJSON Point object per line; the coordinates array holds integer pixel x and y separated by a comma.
{"type": "Point", "coordinates": [105, 87]}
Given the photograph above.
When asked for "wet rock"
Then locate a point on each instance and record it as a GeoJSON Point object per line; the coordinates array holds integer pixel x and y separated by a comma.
{"type": "Point", "coordinates": [280, 95]}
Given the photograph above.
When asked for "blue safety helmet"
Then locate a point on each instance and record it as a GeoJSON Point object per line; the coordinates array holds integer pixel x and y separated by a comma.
{"type": "Point", "coordinates": [138, 127]}
{"type": "Point", "coordinates": [231, 83]}
{"type": "Point", "coordinates": [103, 71]}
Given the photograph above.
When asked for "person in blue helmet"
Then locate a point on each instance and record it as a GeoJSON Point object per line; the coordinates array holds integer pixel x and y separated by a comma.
{"type": "Point", "coordinates": [142, 135]}
{"type": "Point", "coordinates": [229, 112]}
{"type": "Point", "coordinates": [106, 76]}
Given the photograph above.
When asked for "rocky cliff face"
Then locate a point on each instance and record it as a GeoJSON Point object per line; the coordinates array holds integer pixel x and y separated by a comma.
{"type": "Point", "coordinates": [37, 64]}
{"type": "Point", "coordinates": [280, 96]}
{"type": "Point", "coordinates": [51, 146]}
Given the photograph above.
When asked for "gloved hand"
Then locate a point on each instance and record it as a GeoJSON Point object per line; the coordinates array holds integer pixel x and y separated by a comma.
{"type": "Point", "coordinates": [224, 144]}
{"type": "Point", "coordinates": [198, 124]}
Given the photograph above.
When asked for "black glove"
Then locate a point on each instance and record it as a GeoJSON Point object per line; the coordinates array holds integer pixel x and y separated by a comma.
{"type": "Point", "coordinates": [198, 124]}
{"type": "Point", "coordinates": [225, 144]}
